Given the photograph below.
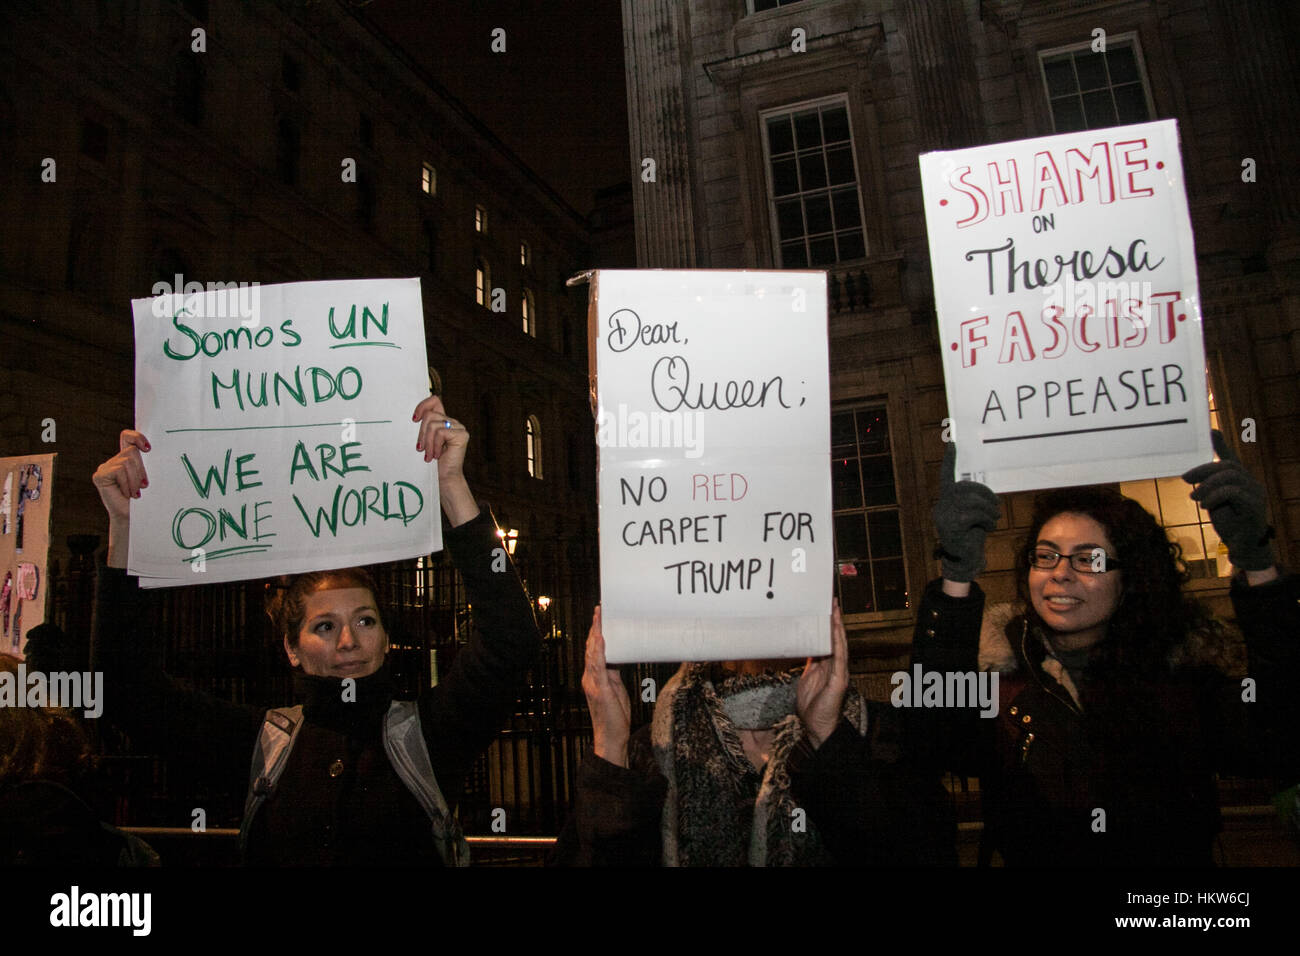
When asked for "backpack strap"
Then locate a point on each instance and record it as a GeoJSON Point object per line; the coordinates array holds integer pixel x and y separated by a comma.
{"type": "Point", "coordinates": [409, 755]}
{"type": "Point", "coordinates": [279, 733]}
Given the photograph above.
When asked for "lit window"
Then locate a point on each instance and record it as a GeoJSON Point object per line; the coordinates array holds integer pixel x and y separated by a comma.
{"type": "Point", "coordinates": [480, 219]}
{"type": "Point", "coordinates": [1185, 521]}
{"type": "Point", "coordinates": [428, 179]}
{"type": "Point", "coordinates": [869, 568]}
{"type": "Point", "coordinates": [525, 254]}
{"type": "Point", "coordinates": [1088, 90]}
{"type": "Point", "coordinates": [533, 445]}
{"type": "Point", "coordinates": [528, 307]}
{"type": "Point", "coordinates": [813, 185]}
{"type": "Point", "coordinates": [482, 282]}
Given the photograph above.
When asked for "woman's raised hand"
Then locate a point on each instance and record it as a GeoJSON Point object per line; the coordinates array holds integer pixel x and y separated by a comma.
{"type": "Point", "coordinates": [611, 710]}
{"type": "Point", "coordinates": [444, 439]}
{"type": "Point", "coordinates": [118, 480]}
{"type": "Point", "coordinates": [964, 515]}
{"type": "Point", "coordinates": [820, 693]}
{"type": "Point", "coordinates": [1238, 507]}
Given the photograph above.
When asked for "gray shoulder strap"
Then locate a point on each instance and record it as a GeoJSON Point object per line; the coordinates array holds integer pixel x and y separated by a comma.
{"type": "Point", "coordinates": [409, 755]}
{"type": "Point", "coordinates": [270, 754]}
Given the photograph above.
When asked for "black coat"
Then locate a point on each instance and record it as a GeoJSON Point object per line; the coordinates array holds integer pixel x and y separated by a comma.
{"type": "Point", "coordinates": [1125, 777]}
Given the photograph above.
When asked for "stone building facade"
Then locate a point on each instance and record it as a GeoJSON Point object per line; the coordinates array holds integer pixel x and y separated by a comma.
{"type": "Point", "coordinates": [731, 97]}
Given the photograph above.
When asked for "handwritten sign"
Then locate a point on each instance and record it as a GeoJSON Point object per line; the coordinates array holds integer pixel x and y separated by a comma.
{"type": "Point", "coordinates": [713, 424]}
{"type": "Point", "coordinates": [281, 431]}
{"type": "Point", "coordinates": [1069, 316]}
{"type": "Point", "coordinates": [26, 496]}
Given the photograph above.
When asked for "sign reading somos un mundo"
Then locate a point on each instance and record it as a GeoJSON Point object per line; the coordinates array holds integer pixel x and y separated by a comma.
{"type": "Point", "coordinates": [281, 431]}
{"type": "Point", "coordinates": [713, 424]}
{"type": "Point", "coordinates": [1069, 316]}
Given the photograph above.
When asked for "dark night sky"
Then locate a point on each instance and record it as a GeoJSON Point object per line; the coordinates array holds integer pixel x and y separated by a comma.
{"type": "Point", "coordinates": [556, 97]}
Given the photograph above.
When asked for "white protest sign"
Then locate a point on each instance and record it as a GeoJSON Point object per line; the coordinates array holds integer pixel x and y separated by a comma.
{"type": "Point", "coordinates": [1069, 316]}
{"type": "Point", "coordinates": [280, 424]}
{"type": "Point", "coordinates": [713, 424]}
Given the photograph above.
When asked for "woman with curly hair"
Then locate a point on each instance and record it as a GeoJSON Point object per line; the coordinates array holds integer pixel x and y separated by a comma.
{"type": "Point", "coordinates": [1113, 713]}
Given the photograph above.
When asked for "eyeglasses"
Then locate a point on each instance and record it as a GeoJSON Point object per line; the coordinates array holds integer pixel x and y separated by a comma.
{"type": "Point", "coordinates": [1095, 561]}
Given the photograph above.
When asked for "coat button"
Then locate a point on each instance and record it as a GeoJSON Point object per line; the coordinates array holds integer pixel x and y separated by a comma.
{"type": "Point", "coordinates": [929, 632]}
{"type": "Point", "coordinates": [336, 768]}
{"type": "Point", "coordinates": [1014, 710]}
{"type": "Point", "coordinates": [934, 615]}
{"type": "Point", "coordinates": [1025, 719]}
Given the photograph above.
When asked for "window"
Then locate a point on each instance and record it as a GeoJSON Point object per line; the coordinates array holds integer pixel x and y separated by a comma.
{"type": "Point", "coordinates": [525, 254]}
{"type": "Point", "coordinates": [868, 536]}
{"type": "Point", "coordinates": [528, 308]}
{"type": "Point", "coordinates": [533, 445]}
{"type": "Point", "coordinates": [812, 176]}
{"type": "Point", "coordinates": [1088, 90]}
{"type": "Point", "coordinates": [480, 219]}
{"type": "Point", "coordinates": [758, 6]}
{"type": "Point", "coordinates": [428, 179]}
{"type": "Point", "coordinates": [1186, 522]}
{"type": "Point", "coordinates": [482, 282]}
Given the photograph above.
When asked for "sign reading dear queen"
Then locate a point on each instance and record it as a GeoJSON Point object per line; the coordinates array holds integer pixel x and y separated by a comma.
{"type": "Point", "coordinates": [281, 432]}
{"type": "Point", "coordinates": [713, 424]}
{"type": "Point", "coordinates": [1069, 317]}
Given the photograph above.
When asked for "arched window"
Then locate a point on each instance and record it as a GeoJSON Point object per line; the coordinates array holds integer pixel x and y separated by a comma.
{"type": "Point", "coordinates": [533, 445]}
{"type": "Point", "coordinates": [528, 309]}
{"type": "Point", "coordinates": [482, 282]}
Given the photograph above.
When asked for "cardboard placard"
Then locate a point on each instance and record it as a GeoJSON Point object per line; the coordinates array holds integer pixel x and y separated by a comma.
{"type": "Point", "coordinates": [712, 401]}
{"type": "Point", "coordinates": [26, 494]}
{"type": "Point", "coordinates": [1069, 315]}
{"type": "Point", "coordinates": [281, 432]}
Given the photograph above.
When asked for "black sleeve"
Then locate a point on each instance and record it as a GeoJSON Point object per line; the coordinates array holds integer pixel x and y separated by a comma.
{"type": "Point", "coordinates": [946, 639]}
{"type": "Point", "coordinates": [870, 805]}
{"type": "Point", "coordinates": [617, 812]}
{"type": "Point", "coordinates": [177, 722]}
{"type": "Point", "coordinates": [1258, 736]}
{"type": "Point", "coordinates": [462, 715]}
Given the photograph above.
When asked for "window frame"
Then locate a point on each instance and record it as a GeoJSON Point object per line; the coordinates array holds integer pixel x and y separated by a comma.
{"type": "Point", "coordinates": [482, 282]}
{"type": "Point", "coordinates": [533, 446]}
{"type": "Point", "coordinates": [528, 311]}
{"type": "Point", "coordinates": [899, 506]}
{"type": "Point", "coordinates": [774, 232]}
{"type": "Point", "coordinates": [1129, 38]}
{"type": "Point", "coordinates": [480, 219]}
{"type": "Point", "coordinates": [428, 179]}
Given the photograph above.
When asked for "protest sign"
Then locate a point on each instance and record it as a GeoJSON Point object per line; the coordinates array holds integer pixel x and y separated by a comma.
{"type": "Point", "coordinates": [713, 423]}
{"type": "Point", "coordinates": [281, 432]}
{"type": "Point", "coordinates": [1069, 316]}
{"type": "Point", "coordinates": [26, 494]}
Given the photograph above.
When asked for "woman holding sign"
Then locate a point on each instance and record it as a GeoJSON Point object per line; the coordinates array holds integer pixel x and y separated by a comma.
{"type": "Point", "coordinates": [1114, 714]}
{"type": "Point", "coordinates": [350, 776]}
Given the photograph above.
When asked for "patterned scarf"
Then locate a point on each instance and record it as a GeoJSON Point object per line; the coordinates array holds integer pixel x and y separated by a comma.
{"type": "Point", "coordinates": [720, 810]}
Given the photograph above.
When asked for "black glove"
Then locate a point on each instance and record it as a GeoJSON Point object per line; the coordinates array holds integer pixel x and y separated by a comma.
{"type": "Point", "coordinates": [1237, 505]}
{"type": "Point", "coordinates": [965, 513]}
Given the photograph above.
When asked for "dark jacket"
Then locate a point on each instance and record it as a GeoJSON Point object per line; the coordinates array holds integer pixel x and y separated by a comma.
{"type": "Point", "coordinates": [1126, 775]}
{"type": "Point", "coordinates": [339, 800]}
{"type": "Point", "coordinates": [870, 808]}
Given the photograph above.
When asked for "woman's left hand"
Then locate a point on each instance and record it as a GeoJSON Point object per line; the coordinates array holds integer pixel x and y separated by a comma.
{"type": "Point", "coordinates": [1238, 507]}
{"type": "Point", "coordinates": [444, 439]}
{"type": "Point", "coordinates": [822, 685]}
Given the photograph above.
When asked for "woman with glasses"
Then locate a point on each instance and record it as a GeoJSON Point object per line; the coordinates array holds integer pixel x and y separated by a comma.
{"type": "Point", "coordinates": [1114, 711]}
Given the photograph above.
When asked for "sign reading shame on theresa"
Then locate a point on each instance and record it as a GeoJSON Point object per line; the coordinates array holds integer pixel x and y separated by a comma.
{"type": "Point", "coordinates": [281, 431]}
{"type": "Point", "coordinates": [713, 423]}
{"type": "Point", "coordinates": [1069, 316]}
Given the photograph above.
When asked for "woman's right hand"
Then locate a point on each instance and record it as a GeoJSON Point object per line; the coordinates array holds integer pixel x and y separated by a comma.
{"type": "Point", "coordinates": [964, 515]}
{"type": "Point", "coordinates": [611, 710]}
{"type": "Point", "coordinates": [118, 480]}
